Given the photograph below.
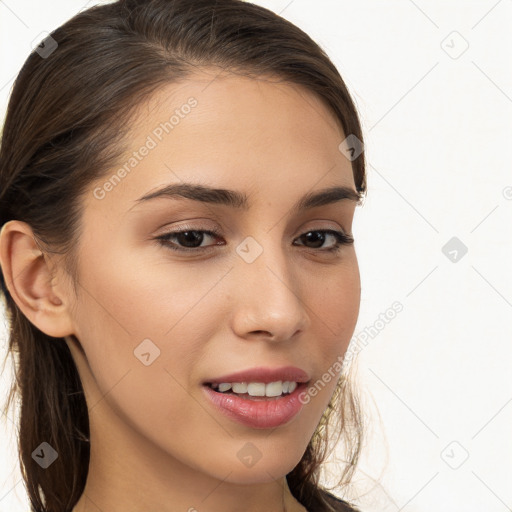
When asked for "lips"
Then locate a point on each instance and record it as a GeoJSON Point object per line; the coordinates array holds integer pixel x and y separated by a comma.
{"type": "Point", "coordinates": [260, 414]}
{"type": "Point", "coordinates": [263, 374]}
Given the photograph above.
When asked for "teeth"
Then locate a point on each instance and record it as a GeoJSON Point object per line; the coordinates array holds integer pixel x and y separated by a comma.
{"type": "Point", "coordinates": [274, 389]}
{"type": "Point", "coordinates": [239, 387]}
{"type": "Point", "coordinates": [257, 388]}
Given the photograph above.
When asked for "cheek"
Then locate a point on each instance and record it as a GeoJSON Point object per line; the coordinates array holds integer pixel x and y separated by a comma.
{"type": "Point", "coordinates": [142, 336]}
{"type": "Point", "coordinates": [335, 309]}
{"type": "Point", "coordinates": [126, 300]}
{"type": "Point", "coordinates": [139, 319]}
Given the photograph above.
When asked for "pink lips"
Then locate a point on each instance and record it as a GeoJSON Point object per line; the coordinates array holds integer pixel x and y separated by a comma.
{"type": "Point", "coordinates": [263, 412]}
{"type": "Point", "coordinates": [263, 374]}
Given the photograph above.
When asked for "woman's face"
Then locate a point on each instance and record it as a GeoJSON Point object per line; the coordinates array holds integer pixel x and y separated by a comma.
{"type": "Point", "coordinates": [155, 323]}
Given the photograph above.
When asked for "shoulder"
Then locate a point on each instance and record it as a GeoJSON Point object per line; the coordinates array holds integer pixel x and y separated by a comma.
{"type": "Point", "coordinates": [336, 503]}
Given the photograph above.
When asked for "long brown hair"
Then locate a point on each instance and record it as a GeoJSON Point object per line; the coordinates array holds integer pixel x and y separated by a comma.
{"type": "Point", "coordinates": [65, 127]}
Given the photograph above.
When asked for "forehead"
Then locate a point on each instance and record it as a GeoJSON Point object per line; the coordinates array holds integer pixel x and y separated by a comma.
{"type": "Point", "coordinates": [231, 131]}
{"type": "Point", "coordinates": [250, 111]}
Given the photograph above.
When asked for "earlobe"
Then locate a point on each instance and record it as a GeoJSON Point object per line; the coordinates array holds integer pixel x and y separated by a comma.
{"type": "Point", "coordinates": [28, 276]}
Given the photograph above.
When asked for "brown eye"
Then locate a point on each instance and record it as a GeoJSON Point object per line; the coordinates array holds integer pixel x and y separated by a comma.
{"type": "Point", "coordinates": [317, 241]}
{"type": "Point", "coordinates": [188, 239]}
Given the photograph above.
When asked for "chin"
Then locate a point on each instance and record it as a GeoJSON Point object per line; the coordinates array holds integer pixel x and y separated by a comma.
{"type": "Point", "coordinates": [260, 473]}
{"type": "Point", "coordinates": [266, 465]}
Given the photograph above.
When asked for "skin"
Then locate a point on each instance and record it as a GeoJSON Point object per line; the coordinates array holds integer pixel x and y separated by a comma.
{"type": "Point", "coordinates": [156, 442]}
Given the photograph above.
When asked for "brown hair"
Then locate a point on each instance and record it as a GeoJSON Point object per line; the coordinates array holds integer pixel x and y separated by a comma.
{"type": "Point", "coordinates": [65, 126]}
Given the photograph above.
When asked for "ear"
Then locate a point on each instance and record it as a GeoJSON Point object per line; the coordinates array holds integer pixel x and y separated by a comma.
{"type": "Point", "coordinates": [28, 276]}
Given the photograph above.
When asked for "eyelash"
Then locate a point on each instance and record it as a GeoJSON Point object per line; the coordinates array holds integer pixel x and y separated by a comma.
{"type": "Point", "coordinates": [342, 239]}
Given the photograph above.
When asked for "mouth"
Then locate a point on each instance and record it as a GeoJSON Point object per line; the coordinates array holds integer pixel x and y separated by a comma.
{"type": "Point", "coordinates": [250, 406]}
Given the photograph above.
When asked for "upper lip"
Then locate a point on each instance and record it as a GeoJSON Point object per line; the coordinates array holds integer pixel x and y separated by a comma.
{"type": "Point", "coordinates": [263, 374]}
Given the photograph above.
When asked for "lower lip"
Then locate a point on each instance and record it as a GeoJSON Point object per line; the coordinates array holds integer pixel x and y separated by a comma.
{"type": "Point", "coordinates": [268, 413]}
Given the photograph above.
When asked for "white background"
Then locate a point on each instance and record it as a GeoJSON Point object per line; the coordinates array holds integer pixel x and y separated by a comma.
{"type": "Point", "coordinates": [437, 118]}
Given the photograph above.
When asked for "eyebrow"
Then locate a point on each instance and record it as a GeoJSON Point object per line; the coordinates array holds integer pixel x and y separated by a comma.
{"type": "Point", "coordinates": [239, 200]}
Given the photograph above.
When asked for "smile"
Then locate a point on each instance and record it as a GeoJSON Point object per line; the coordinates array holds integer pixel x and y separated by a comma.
{"type": "Point", "coordinates": [257, 410]}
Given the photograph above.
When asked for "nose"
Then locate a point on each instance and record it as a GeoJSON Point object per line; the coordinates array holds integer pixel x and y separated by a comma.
{"type": "Point", "coordinates": [269, 301]}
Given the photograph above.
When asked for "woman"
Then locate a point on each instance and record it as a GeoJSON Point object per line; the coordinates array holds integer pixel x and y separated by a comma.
{"type": "Point", "coordinates": [178, 184]}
